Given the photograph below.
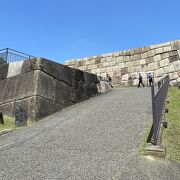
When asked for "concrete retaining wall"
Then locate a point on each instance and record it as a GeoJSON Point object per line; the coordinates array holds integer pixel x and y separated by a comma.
{"type": "Point", "coordinates": [43, 87]}
{"type": "Point", "coordinates": [124, 66]}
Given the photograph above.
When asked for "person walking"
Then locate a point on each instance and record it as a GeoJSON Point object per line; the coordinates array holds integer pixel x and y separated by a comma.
{"type": "Point", "coordinates": [140, 80]}
{"type": "Point", "coordinates": [109, 80]}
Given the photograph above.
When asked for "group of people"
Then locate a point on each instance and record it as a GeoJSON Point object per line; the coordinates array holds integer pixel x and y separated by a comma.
{"type": "Point", "coordinates": [150, 80]}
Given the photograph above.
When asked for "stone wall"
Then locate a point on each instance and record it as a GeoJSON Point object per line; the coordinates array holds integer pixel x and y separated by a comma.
{"type": "Point", "coordinates": [124, 66]}
{"type": "Point", "coordinates": [43, 87]}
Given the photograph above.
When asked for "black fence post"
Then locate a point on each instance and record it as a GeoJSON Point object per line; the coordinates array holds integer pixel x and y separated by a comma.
{"type": "Point", "coordinates": [1, 118]}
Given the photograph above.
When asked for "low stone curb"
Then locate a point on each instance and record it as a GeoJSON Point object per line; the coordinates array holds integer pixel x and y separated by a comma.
{"type": "Point", "coordinates": [5, 131]}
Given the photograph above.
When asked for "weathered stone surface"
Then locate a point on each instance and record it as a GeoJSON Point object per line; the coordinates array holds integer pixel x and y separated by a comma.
{"type": "Point", "coordinates": [3, 71]}
{"type": "Point", "coordinates": [153, 66]}
{"type": "Point", "coordinates": [151, 53]}
{"type": "Point", "coordinates": [45, 107]}
{"type": "Point", "coordinates": [20, 116]}
{"type": "Point", "coordinates": [173, 75]}
{"type": "Point", "coordinates": [121, 65]}
{"type": "Point", "coordinates": [173, 53]}
{"type": "Point", "coordinates": [137, 57]}
{"type": "Point", "coordinates": [167, 48]}
{"type": "Point", "coordinates": [177, 65]}
{"type": "Point", "coordinates": [149, 60]}
{"type": "Point", "coordinates": [95, 66]}
{"type": "Point", "coordinates": [7, 108]}
{"type": "Point", "coordinates": [62, 94]}
{"type": "Point", "coordinates": [40, 82]}
{"type": "Point", "coordinates": [175, 45]}
{"type": "Point", "coordinates": [31, 65]}
{"type": "Point", "coordinates": [125, 77]}
{"type": "Point", "coordinates": [164, 62]}
{"type": "Point", "coordinates": [159, 45]}
{"type": "Point", "coordinates": [157, 58]}
{"type": "Point", "coordinates": [103, 87]}
{"type": "Point", "coordinates": [164, 55]}
{"type": "Point", "coordinates": [124, 71]}
{"type": "Point", "coordinates": [159, 50]}
{"type": "Point", "coordinates": [90, 78]}
{"type": "Point", "coordinates": [173, 58]}
{"type": "Point", "coordinates": [58, 71]}
{"type": "Point", "coordinates": [169, 69]}
{"type": "Point", "coordinates": [159, 72]}
{"type": "Point", "coordinates": [119, 59]}
{"type": "Point", "coordinates": [14, 68]}
{"type": "Point", "coordinates": [142, 61]}
{"type": "Point", "coordinates": [18, 87]}
{"type": "Point", "coordinates": [45, 85]}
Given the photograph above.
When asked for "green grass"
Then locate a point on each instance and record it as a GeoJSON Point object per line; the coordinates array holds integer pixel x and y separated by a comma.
{"type": "Point", "coordinates": [9, 123]}
{"type": "Point", "coordinates": [171, 135]}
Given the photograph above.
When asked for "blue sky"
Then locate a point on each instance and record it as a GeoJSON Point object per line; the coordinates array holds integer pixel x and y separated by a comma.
{"type": "Point", "coordinates": [70, 29]}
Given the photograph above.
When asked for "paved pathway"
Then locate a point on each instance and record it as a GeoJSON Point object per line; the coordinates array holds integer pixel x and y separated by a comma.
{"type": "Point", "coordinates": [96, 139]}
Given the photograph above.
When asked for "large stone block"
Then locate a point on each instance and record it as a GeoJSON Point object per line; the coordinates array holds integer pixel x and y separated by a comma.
{"type": "Point", "coordinates": [103, 87]}
{"type": "Point", "coordinates": [173, 58]}
{"type": "Point", "coordinates": [18, 87]}
{"type": "Point", "coordinates": [164, 55]}
{"type": "Point", "coordinates": [177, 65]}
{"type": "Point", "coordinates": [125, 77]}
{"type": "Point", "coordinates": [149, 60]}
{"type": "Point", "coordinates": [7, 108]}
{"type": "Point", "coordinates": [167, 48]}
{"type": "Point", "coordinates": [45, 107]}
{"type": "Point", "coordinates": [62, 94]}
{"type": "Point", "coordinates": [153, 66]}
{"type": "Point", "coordinates": [164, 62]}
{"type": "Point", "coordinates": [157, 58]}
{"type": "Point", "coordinates": [159, 50]}
{"type": "Point", "coordinates": [169, 68]}
{"type": "Point", "coordinates": [159, 72]}
{"type": "Point", "coordinates": [29, 105]}
{"type": "Point", "coordinates": [173, 75]}
{"type": "Point", "coordinates": [45, 85]}
{"type": "Point", "coordinates": [151, 53]}
{"type": "Point", "coordinates": [119, 59]}
{"type": "Point", "coordinates": [124, 71]}
{"type": "Point", "coordinates": [90, 78]}
{"type": "Point", "coordinates": [59, 71]}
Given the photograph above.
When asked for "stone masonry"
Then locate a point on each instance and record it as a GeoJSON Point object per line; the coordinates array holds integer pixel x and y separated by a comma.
{"type": "Point", "coordinates": [124, 66]}
{"type": "Point", "coordinates": [42, 87]}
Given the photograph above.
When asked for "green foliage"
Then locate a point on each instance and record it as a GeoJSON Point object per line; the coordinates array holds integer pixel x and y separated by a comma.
{"type": "Point", "coordinates": [171, 135]}
{"type": "Point", "coordinates": [9, 123]}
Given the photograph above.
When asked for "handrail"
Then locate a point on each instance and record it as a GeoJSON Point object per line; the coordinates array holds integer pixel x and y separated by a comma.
{"type": "Point", "coordinates": [10, 55]}
{"type": "Point", "coordinates": [158, 106]}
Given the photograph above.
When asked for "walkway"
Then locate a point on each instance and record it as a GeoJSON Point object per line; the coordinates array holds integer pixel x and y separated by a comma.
{"type": "Point", "coordinates": [96, 140]}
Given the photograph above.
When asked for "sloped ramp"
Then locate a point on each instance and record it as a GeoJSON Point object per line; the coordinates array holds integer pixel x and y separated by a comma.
{"type": "Point", "coordinates": [95, 139]}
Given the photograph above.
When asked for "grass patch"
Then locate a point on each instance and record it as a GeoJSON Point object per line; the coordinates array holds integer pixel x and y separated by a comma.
{"type": "Point", "coordinates": [9, 123]}
{"type": "Point", "coordinates": [171, 135]}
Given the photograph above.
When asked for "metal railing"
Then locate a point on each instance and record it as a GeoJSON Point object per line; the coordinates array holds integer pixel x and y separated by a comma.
{"type": "Point", "coordinates": [159, 94]}
{"type": "Point", "coordinates": [9, 55]}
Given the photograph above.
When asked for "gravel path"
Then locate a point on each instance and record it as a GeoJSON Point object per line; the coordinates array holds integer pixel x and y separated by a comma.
{"type": "Point", "coordinates": [96, 139]}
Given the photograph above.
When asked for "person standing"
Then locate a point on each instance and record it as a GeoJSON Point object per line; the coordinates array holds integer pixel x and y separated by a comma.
{"type": "Point", "coordinates": [150, 78]}
{"type": "Point", "coordinates": [140, 80]}
{"type": "Point", "coordinates": [109, 80]}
